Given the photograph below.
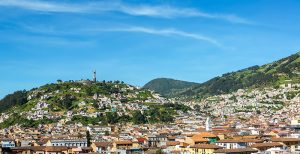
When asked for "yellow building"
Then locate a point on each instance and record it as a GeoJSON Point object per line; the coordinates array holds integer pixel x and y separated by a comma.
{"type": "Point", "coordinates": [102, 147]}
{"type": "Point", "coordinates": [203, 148]}
{"type": "Point", "coordinates": [122, 145]}
{"type": "Point", "coordinates": [295, 122]}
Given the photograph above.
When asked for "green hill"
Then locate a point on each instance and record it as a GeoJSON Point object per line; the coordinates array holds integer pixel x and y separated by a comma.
{"type": "Point", "coordinates": [272, 74]}
{"type": "Point", "coordinates": [65, 96]}
{"type": "Point", "coordinates": [86, 102]}
{"type": "Point", "coordinates": [269, 75]}
{"type": "Point", "coordinates": [168, 87]}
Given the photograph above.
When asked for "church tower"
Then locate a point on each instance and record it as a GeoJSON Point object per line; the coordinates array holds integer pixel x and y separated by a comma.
{"type": "Point", "coordinates": [208, 124]}
{"type": "Point", "coordinates": [94, 77]}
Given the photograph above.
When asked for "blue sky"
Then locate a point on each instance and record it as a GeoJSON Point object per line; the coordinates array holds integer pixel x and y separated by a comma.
{"type": "Point", "coordinates": [136, 41]}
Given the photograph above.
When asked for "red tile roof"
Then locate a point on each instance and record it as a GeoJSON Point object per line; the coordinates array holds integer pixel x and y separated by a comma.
{"type": "Point", "coordinates": [141, 139]}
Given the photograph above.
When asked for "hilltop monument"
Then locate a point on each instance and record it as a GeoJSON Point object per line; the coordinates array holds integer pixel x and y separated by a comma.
{"type": "Point", "coordinates": [94, 77]}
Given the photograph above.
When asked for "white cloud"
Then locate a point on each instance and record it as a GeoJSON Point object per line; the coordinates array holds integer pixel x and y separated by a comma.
{"type": "Point", "coordinates": [42, 6]}
{"type": "Point", "coordinates": [172, 12]}
{"type": "Point", "coordinates": [161, 11]}
{"type": "Point", "coordinates": [163, 32]}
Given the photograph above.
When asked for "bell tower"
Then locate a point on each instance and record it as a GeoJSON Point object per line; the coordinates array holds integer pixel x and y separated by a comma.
{"type": "Point", "coordinates": [208, 124]}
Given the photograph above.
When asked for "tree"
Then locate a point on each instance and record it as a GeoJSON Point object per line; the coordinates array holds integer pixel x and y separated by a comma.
{"type": "Point", "coordinates": [138, 118]}
{"type": "Point", "coordinates": [159, 151]}
{"type": "Point", "coordinates": [67, 101]}
{"type": "Point", "coordinates": [89, 91]}
{"type": "Point", "coordinates": [166, 117]}
{"type": "Point", "coordinates": [112, 117]}
{"type": "Point", "coordinates": [96, 105]}
{"type": "Point", "coordinates": [197, 108]}
{"type": "Point", "coordinates": [258, 112]}
{"type": "Point", "coordinates": [88, 138]}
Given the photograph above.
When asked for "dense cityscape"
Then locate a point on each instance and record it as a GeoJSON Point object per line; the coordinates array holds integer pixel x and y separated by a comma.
{"type": "Point", "coordinates": [149, 77]}
{"type": "Point", "coordinates": [88, 116]}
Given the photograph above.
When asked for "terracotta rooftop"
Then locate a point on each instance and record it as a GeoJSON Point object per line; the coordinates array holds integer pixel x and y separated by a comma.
{"type": "Point", "coordinates": [199, 138]}
{"type": "Point", "coordinates": [266, 145]}
{"type": "Point", "coordinates": [252, 140]}
{"type": "Point", "coordinates": [172, 143]}
{"type": "Point", "coordinates": [240, 150]}
{"type": "Point", "coordinates": [231, 141]}
{"type": "Point", "coordinates": [246, 137]}
{"type": "Point", "coordinates": [285, 139]}
{"type": "Point", "coordinates": [124, 142]}
{"type": "Point", "coordinates": [207, 134]}
{"type": "Point", "coordinates": [55, 148]}
{"type": "Point", "coordinates": [183, 144]}
{"type": "Point", "coordinates": [103, 144]}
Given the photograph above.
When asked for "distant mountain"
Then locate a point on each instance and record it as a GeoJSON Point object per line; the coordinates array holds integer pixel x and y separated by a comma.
{"type": "Point", "coordinates": [272, 74]}
{"type": "Point", "coordinates": [168, 87]}
{"type": "Point", "coordinates": [16, 98]}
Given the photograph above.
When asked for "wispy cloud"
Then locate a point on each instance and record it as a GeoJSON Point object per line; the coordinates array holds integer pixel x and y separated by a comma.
{"type": "Point", "coordinates": [163, 32]}
{"type": "Point", "coordinates": [173, 12]}
{"type": "Point", "coordinates": [161, 11]}
{"type": "Point", "coordinates": [135, 29]}
{"type": "Point", "coordinates": [42, 6]}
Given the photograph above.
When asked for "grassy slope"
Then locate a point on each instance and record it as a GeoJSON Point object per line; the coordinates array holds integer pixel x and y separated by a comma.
{"type": "Point", "coordinates": [273, 74]}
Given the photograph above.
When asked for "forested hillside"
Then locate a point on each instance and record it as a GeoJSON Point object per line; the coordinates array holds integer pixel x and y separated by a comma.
{"type": "Point", "coordinates": [272, 74]}
{"type": "Point", "coordinates": [168, 87]}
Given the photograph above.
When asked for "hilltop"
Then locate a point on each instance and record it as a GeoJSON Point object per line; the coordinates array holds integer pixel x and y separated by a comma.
{"type": "Point", "coordinates": [268, 75]}
{"type": "Point", "coordinates": [168, 87]}
{"type": "Point", "coordinates": [86, 102]}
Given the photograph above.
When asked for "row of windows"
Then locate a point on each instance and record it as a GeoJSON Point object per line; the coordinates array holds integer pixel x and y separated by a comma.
{"type": "Point", "coordinates": [70, 144]}
{"type": "Point", "coordinates": [202, 150]}
{"type": "Point", "coordinates": [8, 145]}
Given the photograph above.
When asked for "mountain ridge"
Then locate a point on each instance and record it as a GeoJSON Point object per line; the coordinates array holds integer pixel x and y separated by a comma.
{"type": "Point", "coordinates": [271, 74]}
